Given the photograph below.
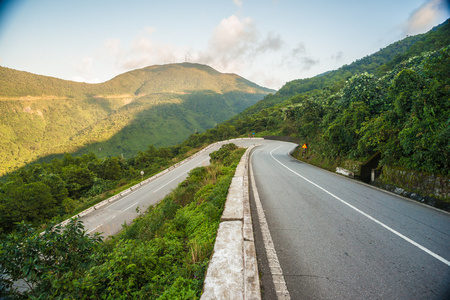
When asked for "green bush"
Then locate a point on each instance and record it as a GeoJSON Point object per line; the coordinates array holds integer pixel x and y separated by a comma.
{"type": "Point", "coordinates": [223, 154]}
{"type": "Point", "coordinates": [163, 254]}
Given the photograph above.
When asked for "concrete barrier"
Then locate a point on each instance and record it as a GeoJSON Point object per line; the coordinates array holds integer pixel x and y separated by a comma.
{"type": "Point", "coordinates": [345, 172]}
{"type": "Point", "coordinates": [144, 182]}
{"type": "Point", "coordinates": [233, 270]}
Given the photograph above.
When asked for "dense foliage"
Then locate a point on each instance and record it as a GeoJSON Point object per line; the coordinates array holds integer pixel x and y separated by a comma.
{"type": "Point", "coordinates": [395, 102]}
{"type": "Point", "coordinates": [162, 255]}
{"type": "Point", "coordinates": [159, 105]}
{"type": "Point", "coordinates": [45, 262]}
{"type": "Point", "coordinates": [40, 192]}
{"type": "Point", "coordinates": [404, 114]}
{"type": "Point", "coordinates": [378, 63]}
{"type": "Point", "coordinates": [401, 109]}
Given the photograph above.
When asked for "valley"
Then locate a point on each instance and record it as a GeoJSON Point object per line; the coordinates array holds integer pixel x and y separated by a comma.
{"type": "Point", "coordinates": [67, 146]}
{"type": "Point", "coordinates": [159, 105]}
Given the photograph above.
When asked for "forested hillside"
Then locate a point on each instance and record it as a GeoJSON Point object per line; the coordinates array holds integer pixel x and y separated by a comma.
{"type": "Point", "coordinates": [164, 254]}
{"type": "Point", "coordinates": [395, 101]}
{"type": "Point", "coordinates": [378, 64]}
{"type": "Point", "coordinates": [158, 105]}
{"type": "Point", "coordinates": [403, 113]}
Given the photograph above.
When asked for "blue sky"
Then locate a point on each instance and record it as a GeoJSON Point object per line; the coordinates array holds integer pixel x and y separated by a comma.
{"type": "Point", "coordinates": [268, 42]}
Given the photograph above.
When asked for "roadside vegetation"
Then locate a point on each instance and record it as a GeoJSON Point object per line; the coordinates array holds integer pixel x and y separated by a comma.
{"type": "Point", "coordinates": [163, 254]}
{"type": "Point", "coordinates": [44, 117]}
{"type": "Point", "coordinates": [395, 102]}
{"type": "Point", "coordinates": [45, 192]}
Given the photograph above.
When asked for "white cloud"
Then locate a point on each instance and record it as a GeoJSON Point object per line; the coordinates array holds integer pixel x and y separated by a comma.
{"type": "Point", "coordinates": [265, 79]}
{"type": "Point", "coordinates": [85, 71]}
{"type": "Point", "coordinates": [236, 44]}
{"type": "Point", "coordinates": [85, 66]}
{"type": "Point", "coordinates": [338, 56]}
{"type": "Point", "coordinates": [233, 34]}
{"type": "Point", "coordinates": [426, 16]}
{"type": "Point", "coordinates": [82, 79]}
{"type": "Point", "coordinates": [238, 3]}
{"type": "Point", "coordinates": [300, 49]}
{"type": "Point", "coordinates": [308, 62]}
{"type": "Point", "coordinates": [113, 46]}
{"type": "Point", "coordinates": [149, 29]}
{"type": "Point", "coordinates": [143, 51]}
{"type": "Point", "coordinates": [272, 42]}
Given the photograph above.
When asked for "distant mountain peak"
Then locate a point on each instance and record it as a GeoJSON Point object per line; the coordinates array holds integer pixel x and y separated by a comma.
{"type": "Point", "coordinates": [157, 105]}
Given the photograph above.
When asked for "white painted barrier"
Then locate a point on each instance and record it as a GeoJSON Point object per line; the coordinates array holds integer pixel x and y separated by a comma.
{"type": "Point", "coordinates": [142, 183]}
{"type": "Point", "coordinates": [233, 269]}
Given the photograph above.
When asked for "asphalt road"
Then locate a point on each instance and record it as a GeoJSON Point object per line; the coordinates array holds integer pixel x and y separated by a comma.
{"type": "Point", "coordinates": [109, 218]}
{"type": "Point", "coordinates": [337, 238]}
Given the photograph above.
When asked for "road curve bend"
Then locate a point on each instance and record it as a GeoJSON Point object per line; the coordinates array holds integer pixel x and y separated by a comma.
{"type": "Point", "coordinates": [338, 238]}
{"type": "Point", "coordinates": [108, 218]}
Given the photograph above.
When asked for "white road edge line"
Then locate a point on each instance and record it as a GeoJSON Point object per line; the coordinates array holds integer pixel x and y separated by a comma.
{"type": "Point", "coordinates": [175, 178]}
{"type": "Point", "coordinates": [94, 228]}
{"type": "Point", "coordinates": [130, 206]}
{"type": "Point", "coordinates": [366, 215]}
{"type": "Point", "coordinates": [167, 183]}
{"type": "Point", "coordinates": [132, 192]}
{"type": "Point", "coordinates": [274, 265]}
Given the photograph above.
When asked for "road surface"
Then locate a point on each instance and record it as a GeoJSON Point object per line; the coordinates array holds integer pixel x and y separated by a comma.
{"type": "Point", "coordinates": [109, 218]}
{"type": "Point", "coordinates": [336, 238]}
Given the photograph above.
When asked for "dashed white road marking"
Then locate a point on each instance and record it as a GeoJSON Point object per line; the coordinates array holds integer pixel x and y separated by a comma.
{"type": "Point", "coordinates": [89, 231]}
{"type": "Point", "coordinates": [168, 183]}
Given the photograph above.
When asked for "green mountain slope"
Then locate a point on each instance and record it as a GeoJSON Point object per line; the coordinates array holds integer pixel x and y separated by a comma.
{"type": "Point", "coordinates": [395, 102]}
{"type": "Point", "coordinates": [158, 105]}
{"type": "Point", "coordinates": [378, 63]}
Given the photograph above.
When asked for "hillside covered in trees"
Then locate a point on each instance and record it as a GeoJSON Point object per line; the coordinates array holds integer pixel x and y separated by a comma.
{"type": "Point", "coordinates": [378, 64]}
{"type": "Point", "coordinates": [401, 110]}
{"type": "Point", "coordinates": [395, 101]}
{"type": "Point", "coordinates": [163, 254]}
{"type": "Point", "coordinates": [157, 105]}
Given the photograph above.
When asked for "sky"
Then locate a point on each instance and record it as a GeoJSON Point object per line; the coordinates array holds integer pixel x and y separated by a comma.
{"type": "Point", "coordinates": [269, 42]}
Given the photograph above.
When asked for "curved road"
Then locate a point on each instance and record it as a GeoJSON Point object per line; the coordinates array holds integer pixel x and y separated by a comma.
{"type": "Point", "coordinates": [109, 218]}
{"type": "Point", "coordinates": [337, 238]}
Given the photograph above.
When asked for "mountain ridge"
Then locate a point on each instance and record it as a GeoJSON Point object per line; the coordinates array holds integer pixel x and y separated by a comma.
{"type": "Point", "coordinates": [43, 115]}
{"type": "Point", "coordinates": [12, 82]}
{"type": "Point", "coordinates": [378, 63]}
{"type": "Point", "coordinates": [394, 102]}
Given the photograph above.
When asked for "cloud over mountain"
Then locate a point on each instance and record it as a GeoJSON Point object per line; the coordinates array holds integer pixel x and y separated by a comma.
{"type": "Point", "coordinates": [426, 16]}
